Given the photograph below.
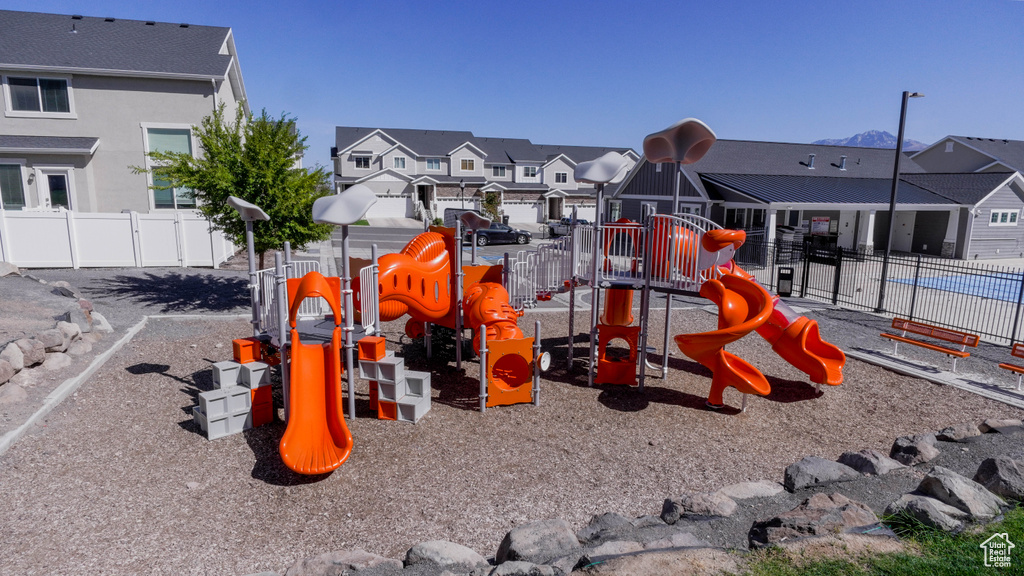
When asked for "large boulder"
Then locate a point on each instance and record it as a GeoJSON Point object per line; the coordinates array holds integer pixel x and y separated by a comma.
{"type": "Point", "coordinates": [56, 361]}
{"type": "Point", "coordinates": [53, 340]}
{"type": "Point", "coordinates": [961, 493]}
{"type": "Point", "coordinates": [958, 432]}
{"type": "Point", "coordinates": [929, 512]}
{"type": "Point", "coordinates": [7, 269]}
{"type": "Point", "coordinates": [677, 540]}
{"type": "Point", "coordinates": [12, 393]}
{"type": "Point", "coordinates": [516, 568]}
{"type": "Point", "coordinates": [815, 471]}
{"type": "Point", "coordinates": [677, 562]}
{"type": "Point", "coordinates": [747, 490]}
{"type": "Point", "coordinates": [444, 554]}
{"type": "Point", "coordinates": [917, 449]}
{"type": "Point", "coordinates": [1002, 476]}
{"type": "Point", "coordinates": [602, 525]}
{"type": "Point", "coordinates": [818, 515]}
{"type": "Point", "coordinates": [70, 330]}
{"type": "Point", "coordinates": [1000, 425]}
{"type": "Point", "coordinates": [870, 462]}
{"type": "Point", "coordinates": [62, 288]}
{"type": "Point", "coordinates": [13, 355]}
{"type": "Point", "coordinates": [702, 505]}
{"type": "Point", "coordinates": [33, 351]}
{"type": "Point", "coordinates": [609, 550]}
{"type": "Point", "coordinates": [540, 542]}
{"type": "Point", "coordinates": [337, 563]}
{"type": "Point", "coordinates": [6, 371]}
{"type": "Point", "coordinates": [100, 324]}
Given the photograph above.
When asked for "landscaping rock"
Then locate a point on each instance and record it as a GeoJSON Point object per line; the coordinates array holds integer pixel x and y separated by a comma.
{"type": "Point", "coordinates": [12, 393]}
{"type": "Point", "coordinates": [53, 340]}
{"type": "Point", "coordinates": [445, 554]}
{"type": "Point", "coordinates": [916, 449]}
{"type": "Point", "coordinates": [869, 462]}
{"type": "Point", "coordinates": [747, 490]}
{"type": "Point", "coordinates": [539, 542]}
{"type": "Point", "coordinates": [958, 432]}
{"type": "Point", "coordinates": [516, 568]}
{"type": "Point", "coordinates": [6, 269]}
{"type": "Point", "coordinates": [705, 505]}
{"type": "Point", "coordinates": [12, 354]}
{"type": "Point", "coordinates": [99, 323]}
{"type": "Point", "coordinates": [995, 425]}
{"type": "Point", "coordinates": [78, 317]}
{"type": "Point", "coordinates": [610, 550]}
{"type": "Point", "coordinates": [79, 347]}
{"type": "Point", "coordinates": [677, 540]}
{"type": "Point", "coordinates": [647, 521]}
{"type": "Point", "coordinates": [962, 493]}
{"type": "Point", "coordinates": [600, 525]}
{"type": "Point", "coordinates": [336, 563]}
{"type": "Point", "coordinates": [678, 562]}
{"type": "Point", "coordinates": [815, 471]}
{"type": "Point", "coordinates": [56, 361]}
{"type": "Point", "coordinates": [33, 351]}
{"type": "Point", "coordinates": [818, 515]}
{"type": "Point", "coordinates": [70, 330]}
{"type": "Point", "coordinates": [62, 288]}
{"type": "Point", "coordinates": [6, 371]}
{"type": "Point", "coordinates": [929, 511]}
{"type": "Point", "coordinates": [1002, 476]}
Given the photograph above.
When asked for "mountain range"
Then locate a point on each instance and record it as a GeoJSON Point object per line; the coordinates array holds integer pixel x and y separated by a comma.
{"type": "Point", "coordinates": [872, 139]}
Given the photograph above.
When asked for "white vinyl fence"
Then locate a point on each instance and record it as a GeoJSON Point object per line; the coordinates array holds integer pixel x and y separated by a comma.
{"type": "Point", "coordinates": [63, 239]}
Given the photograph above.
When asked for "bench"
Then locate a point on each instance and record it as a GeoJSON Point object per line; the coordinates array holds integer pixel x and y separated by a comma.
{"type": "Point", "coordinates": [963, 339]}
{"type": "Point", "coordinates": [1016, 352]}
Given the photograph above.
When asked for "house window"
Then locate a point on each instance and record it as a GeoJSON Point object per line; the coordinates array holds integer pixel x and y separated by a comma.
{"type": "Point", "coordinates": [399, 162]}
{"type": "Point", "coordinates": [175, 140]}
{"type": "Point", "coordinates": [561, 177]}
{"type": "Point", "coordinates": [38, 95]}
{"type": "Point", "coordinates": [949, 146]}
{"type": "Point", "coordinates": [498, 172]}
{"type": "Point", "coordinates": [1004, 218]}
{"type": "Point", "coordinates": [433, 163]}
{"type": "Point", "coordinates": [362, 162]}
{"type": "Point", "coordinates": [468, 165]}
{"type": "Point", "coordinates": [529, 171]}
{"type": "Point", "coordinates": [735, 218]}
{"type": "Point", "coordinates": [614, 210]}
{"type": "Point", "coordinates": [12, 192]}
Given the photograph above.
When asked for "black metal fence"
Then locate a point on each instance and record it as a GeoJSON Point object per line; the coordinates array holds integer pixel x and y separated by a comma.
{"type": "Point", "coordinates": [983, 299]}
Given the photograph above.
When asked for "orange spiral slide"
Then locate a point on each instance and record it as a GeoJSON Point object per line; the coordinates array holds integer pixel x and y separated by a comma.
{"type": "Point", "coordinates": [316, 440]}
{"type": "Point", "coordinates": [743, 306]}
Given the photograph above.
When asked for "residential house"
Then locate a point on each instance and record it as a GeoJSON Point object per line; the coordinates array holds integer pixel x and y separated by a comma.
{"type": "Point", "coordinates": [419, 173]}
{"type": "Point", "coordinates": [85, 98]}
{"type": "Point", "coordinates": [961, 210]}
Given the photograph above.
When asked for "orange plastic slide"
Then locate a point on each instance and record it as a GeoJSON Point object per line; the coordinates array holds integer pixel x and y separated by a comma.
{"type": "Point", "coordinates": [486, 303]}
{"type": "Point", "coordinates": [743, 306]}
{"type": "Point", "coordinates": [316, 440]}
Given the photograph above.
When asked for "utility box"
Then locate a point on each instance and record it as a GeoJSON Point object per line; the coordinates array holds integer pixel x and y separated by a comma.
{"type": "Point", "coordinates": [785, 282]}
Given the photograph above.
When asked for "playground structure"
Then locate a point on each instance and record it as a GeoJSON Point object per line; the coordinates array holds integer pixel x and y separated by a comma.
{"type": "Point", "coordinates": [667, 254]}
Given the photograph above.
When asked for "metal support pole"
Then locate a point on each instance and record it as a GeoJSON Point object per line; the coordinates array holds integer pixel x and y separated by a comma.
{"type": "Point", "coordinates": [645, 304]}
{"type": "Point", "coordinates": [1016, 317]}
{"type": "Point", "coordinates": [346, 291]}
{"type": "Point", "coordinates": [913, 294]}
{"type": "Point", "coordinates": [536, 363]}
{"type": "Point", "coordinates": [288, 256]}
{"type": "Point", "coordinates": [376, 282]}
{"type": "Point", "coordinates": [505, 274]}
{"type": "Point", "coordinates": [594, 290]}
{"type": "Point", "coordinates": [458, 296]}
{"type": "Point", "coordinates": [671, 274]}
{"type": "Point", "coordinates": [472, 251]}
{"type": "Point", "coordinates": [250, 247]}
{"type": "Point", "coordinates": [281, 301]}
{"type": "Point", "coordinates": [483, 368]}
{"type": "Point", "coordinates": [572, 287]}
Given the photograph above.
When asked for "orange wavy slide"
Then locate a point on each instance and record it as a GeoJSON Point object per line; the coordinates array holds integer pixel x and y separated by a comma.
{"type": "Point", "coordinates": [317, 439]}
{"type": "Point", "coordinates": [743, 306]}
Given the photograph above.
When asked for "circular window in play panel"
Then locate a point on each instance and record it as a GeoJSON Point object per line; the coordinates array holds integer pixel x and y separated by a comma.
{"type": "Point", "coordinates": [511, 371]}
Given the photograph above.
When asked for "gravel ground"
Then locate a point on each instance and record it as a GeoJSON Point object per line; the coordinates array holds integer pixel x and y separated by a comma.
{"type": "Point", "coordinates": [118, 481]}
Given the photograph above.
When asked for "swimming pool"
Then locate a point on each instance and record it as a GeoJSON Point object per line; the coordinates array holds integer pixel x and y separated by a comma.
{"type": "Point", "coordinates": [997, 285]}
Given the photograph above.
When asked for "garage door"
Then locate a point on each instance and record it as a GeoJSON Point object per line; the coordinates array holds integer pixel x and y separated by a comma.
{"type": "Point", "coordinates": [582, 212]}
{"type": "Point", "coordinates": [522, 212]}
{"type": "Point", "coordinates": [390, 207]}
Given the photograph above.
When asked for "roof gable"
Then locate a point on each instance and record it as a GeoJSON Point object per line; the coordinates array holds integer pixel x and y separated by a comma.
{"type": "Point", "coordinates": [55, 42]}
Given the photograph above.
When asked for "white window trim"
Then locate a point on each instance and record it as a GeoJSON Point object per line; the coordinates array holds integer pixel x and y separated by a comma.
{"type": "Point", "coordinates": [462, 163]}
{"type": "Point", "coordinates": [504, 171]}
{"type": "Point", "coordinates": [369, 161]}
{"type": "Point", "coordinates": [611, 204]}
{"type": "Point", "coordinates": [69, 172]}
{"type": "Point", "coordinates": [536, 172]}
{"type": "Point", "coordinates": [394, 162]}
{"type": "Point", "coordinates": [149, 162]}
{"type": "Point", "coordinates": [439, 165]}
{"type": "Point", "coordinates": [565, 177]}
{"type": "Point", "coordinates": [1007, 212]}
{"type": "Point", "coordinates": [21, 162]}
{"type": "Point", "coordinates": [10, 112]}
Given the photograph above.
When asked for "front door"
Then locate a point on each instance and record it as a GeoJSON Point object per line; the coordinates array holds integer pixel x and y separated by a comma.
{"type": "Point", "coordinates": [554, 208]}
{"type": "Point", "coordinates": [54, 188]}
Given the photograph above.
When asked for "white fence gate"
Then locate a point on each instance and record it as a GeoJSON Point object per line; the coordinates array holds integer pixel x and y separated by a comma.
{"type": "Point", "coordinates": [63, 239]}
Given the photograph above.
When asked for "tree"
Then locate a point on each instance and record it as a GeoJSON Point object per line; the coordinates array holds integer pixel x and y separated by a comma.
{"type": "Point", "coordinates": [252, 159]}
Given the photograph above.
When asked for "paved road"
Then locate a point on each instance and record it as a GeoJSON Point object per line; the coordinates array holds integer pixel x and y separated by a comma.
{"type": "Point", "coordinates": [394, 239]}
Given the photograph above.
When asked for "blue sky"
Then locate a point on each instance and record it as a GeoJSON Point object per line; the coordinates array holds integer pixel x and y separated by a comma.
{"type": "Point", "coordinates": [607, 73]}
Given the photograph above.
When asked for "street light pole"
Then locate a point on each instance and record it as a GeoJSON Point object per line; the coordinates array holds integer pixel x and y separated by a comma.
{"type": "Point", "coordinates": [462, 193]}
{"type": "Point", "coordinates": [892, 197]}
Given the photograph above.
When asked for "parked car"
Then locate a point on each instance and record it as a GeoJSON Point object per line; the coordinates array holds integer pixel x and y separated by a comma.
{"type": "Point", "coordinates": [499, 233]}
{"type": "Point", "coordinates": [561, 228]}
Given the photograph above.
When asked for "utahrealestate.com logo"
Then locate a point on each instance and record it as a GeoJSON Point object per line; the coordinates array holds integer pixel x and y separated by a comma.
{"type": "Point", "coordinates": [997, 550]}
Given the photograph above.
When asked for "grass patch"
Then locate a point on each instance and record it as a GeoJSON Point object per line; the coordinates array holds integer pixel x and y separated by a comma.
{"type": "Point", "coordinates": [939, 554]}
{"type": "Point", "coordinates": [360, 223]}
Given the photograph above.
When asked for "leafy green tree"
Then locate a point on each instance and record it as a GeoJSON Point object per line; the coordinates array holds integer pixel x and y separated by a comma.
{"type": "Point", "coordinates": [252, 158]}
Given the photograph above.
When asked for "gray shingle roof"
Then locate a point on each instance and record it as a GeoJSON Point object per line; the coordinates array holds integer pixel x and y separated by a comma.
{"type": "Point", "coordinates": [42, 144]}
{"type": "Point", "coordinates": [1010, 152]}
{"type": "Point", "coordinates": [819, 190]}
{"type": "Point", "coordinates": [577, 153]}
{"type": "Point", "coordinates": [509, 150]}
{"type": "Point", "coordinates": [54, 41]}
{"type": "Point", "coordinates": [966, 188]}
{"type": "Point", "coordinates": [423, 142]}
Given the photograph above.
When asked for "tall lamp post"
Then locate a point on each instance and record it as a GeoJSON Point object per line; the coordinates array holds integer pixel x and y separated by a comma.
{"type": "Point", "coordinates": [892, 197]}
{"type": "Point", "coordinates": [462, 193]}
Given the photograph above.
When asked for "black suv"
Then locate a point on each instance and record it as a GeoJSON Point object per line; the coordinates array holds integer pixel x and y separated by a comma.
{"type": "Point", "coordinates": [499, 233]}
